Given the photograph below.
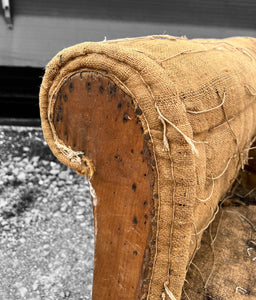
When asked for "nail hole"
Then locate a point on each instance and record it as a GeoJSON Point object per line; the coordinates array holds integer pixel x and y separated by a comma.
{"type": "Point", "coordinates": [101, 89]}
{"type": "Point", "coordinates": [138, 111]}
{"type": "Point", "coordinates": [134, 220]}
{"type": "Point", "coordinates": [88, 86]}
{"type": "Point", "coordinates": [71, 87]}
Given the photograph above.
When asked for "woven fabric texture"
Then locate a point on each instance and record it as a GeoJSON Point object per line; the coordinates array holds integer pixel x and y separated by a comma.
{"type": "Point", "coordinates": [224, 266]}
{"type": "Point", "coordinates": [198, 105]}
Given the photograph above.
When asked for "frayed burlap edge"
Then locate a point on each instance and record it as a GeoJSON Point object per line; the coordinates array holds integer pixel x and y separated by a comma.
{"type": "Point", "coordinates": [161, 279]}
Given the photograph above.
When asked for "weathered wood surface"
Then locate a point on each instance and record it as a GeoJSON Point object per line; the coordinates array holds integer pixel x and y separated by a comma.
{"type": "Point", "coordinates": [94, 116]}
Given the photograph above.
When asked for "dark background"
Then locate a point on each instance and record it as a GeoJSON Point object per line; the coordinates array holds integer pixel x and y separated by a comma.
{"type": "Point", "coordinates": [231, 13]}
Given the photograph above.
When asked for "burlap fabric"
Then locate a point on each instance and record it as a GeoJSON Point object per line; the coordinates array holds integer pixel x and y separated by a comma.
{"type": "Point", "coordinates": [197, 99]}
{"type": "Point", "coordinates": [224, 266]}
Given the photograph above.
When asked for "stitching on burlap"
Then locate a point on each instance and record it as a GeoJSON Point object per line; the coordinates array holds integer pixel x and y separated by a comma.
{"type": "Point", "coordinates": [242, 217]}
{"type": "Point", "coordinates": [195, 248]}
{"type": "Point", "coordinates": [147, 55]}
{"type": "Point", "coordinates": [173, 56]}
{"type": "Point", "coordinates": [189, 52]}
{"type": "Point", "coordinates": [185, 293]}
{"type": "Point", "coordinates": [212, 218]}
{"type": "Point", "coordinates": [251, 89]}
{"type": "Point", "coordinates": [157, 170]}
{"type": "Point", "coordinates": [171, 227]}
{"type": "Point", "coordinates": [188, 139]}
{"type": "Point", "coordinates": [211, 193]}
{"type": "Point", "coordinates": [165, 140]}
{"type": "Point", "coordinates": [214, 215]}
{"type": "Point", "coordinates": [149, 89]}
{"type": "Point", "coordinates": [199, 271]}
{"type": "Point", "coordinates": [168, 145]}
{"type": "Point", "coordinates": [234, 48]}
{"type": "Point", "coordinates": [210, 109]}
{"type": "Point", "coordinates": [169, 293]}
{"type": "Point", "coordinates": [232, 132]}
{"type": "Point", "coordinates": [213, 264]}
{"type": "Point", "coordinates": [206, 282]}
{"type": "Point", "coordinates": [246, 195]}
{"type": "Point", "coordinates": [153, 37]}
{"type": "Point", "coordinates": [167, 290]}
{"type": "Point", "coordinates": [224, 171]}
{"type": "Point", "coordinates": [166, 283]}
{"type": "Point", "coordinates": [224, 123]}
{"type": "Point", "coordinates": [158, 216]}
{"type": "Point", "coordinates": [245, 53]}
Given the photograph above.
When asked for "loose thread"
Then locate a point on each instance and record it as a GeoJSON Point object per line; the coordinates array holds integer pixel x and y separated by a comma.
{"type": "Point", "coordinates": [210, 109]}
{"type": "Point", "coordinates": [246, 195]}
{"type": "Point", "coordinates": [196, 246]}
{"type": "Point", "coordinates": [245, 53]}
{"type": "Point", "coordinates": [223, 172]}
{"type": "Point", "coordinates": [213, 264]}
{"type": "Point", "coordinates": [188, 140]}
{"type": "Point", "coordinates": [199, 271]}
{"type": "Point", "coordinates": [165, 140]}
{"type": "Point", "coordinates": [249, 251]}
{"type": "Point", "coordinates": [227, 121]}
{"type": "Point", "coordinates": [234, 48]}
{"type": "Point", "coordinates": [241, 290]}
{"type": "Point", "coordinates": [168, 292]}
{"type": "Point", "coordinates": [232, 132]}
{"type": "Point", "coordinates": [218, 227]}
{"type": "Point", "coordinates": [251, 89]}
{"type": "Point", "coordinates": [185, 293]}
{"type": "Point", "coordinates": [77, 157]}
{"type": "Point", "coordinates": [73, 156]}
{"type": "Point", "coordinates": [170, 57]}
{"type": "Point", "coordinates": [189, 52]}
{"type": "Point", "coordinates": [212, 218]}
{"type": "Point", "coordinates": [209, 197]}
{"type": "Point", "coordinates": [169, 37]}
{"type": "Point", "coordinates": [242, 217]}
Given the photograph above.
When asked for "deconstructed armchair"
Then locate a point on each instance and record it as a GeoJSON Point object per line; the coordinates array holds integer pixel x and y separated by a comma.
{"type": "Point", "coordinates": [161, 127]}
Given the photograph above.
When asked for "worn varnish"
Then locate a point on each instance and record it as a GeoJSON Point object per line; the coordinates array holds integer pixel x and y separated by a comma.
{"type": "Point", "coordinates": [93, 115]}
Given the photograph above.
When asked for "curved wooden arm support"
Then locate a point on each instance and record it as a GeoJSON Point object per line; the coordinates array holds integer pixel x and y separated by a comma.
{"type": "Point", "coordinates": [92, 115]}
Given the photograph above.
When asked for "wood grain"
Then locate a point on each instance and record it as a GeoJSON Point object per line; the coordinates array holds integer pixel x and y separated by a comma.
{"type": "Point", "coordinates": [93, 115]}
